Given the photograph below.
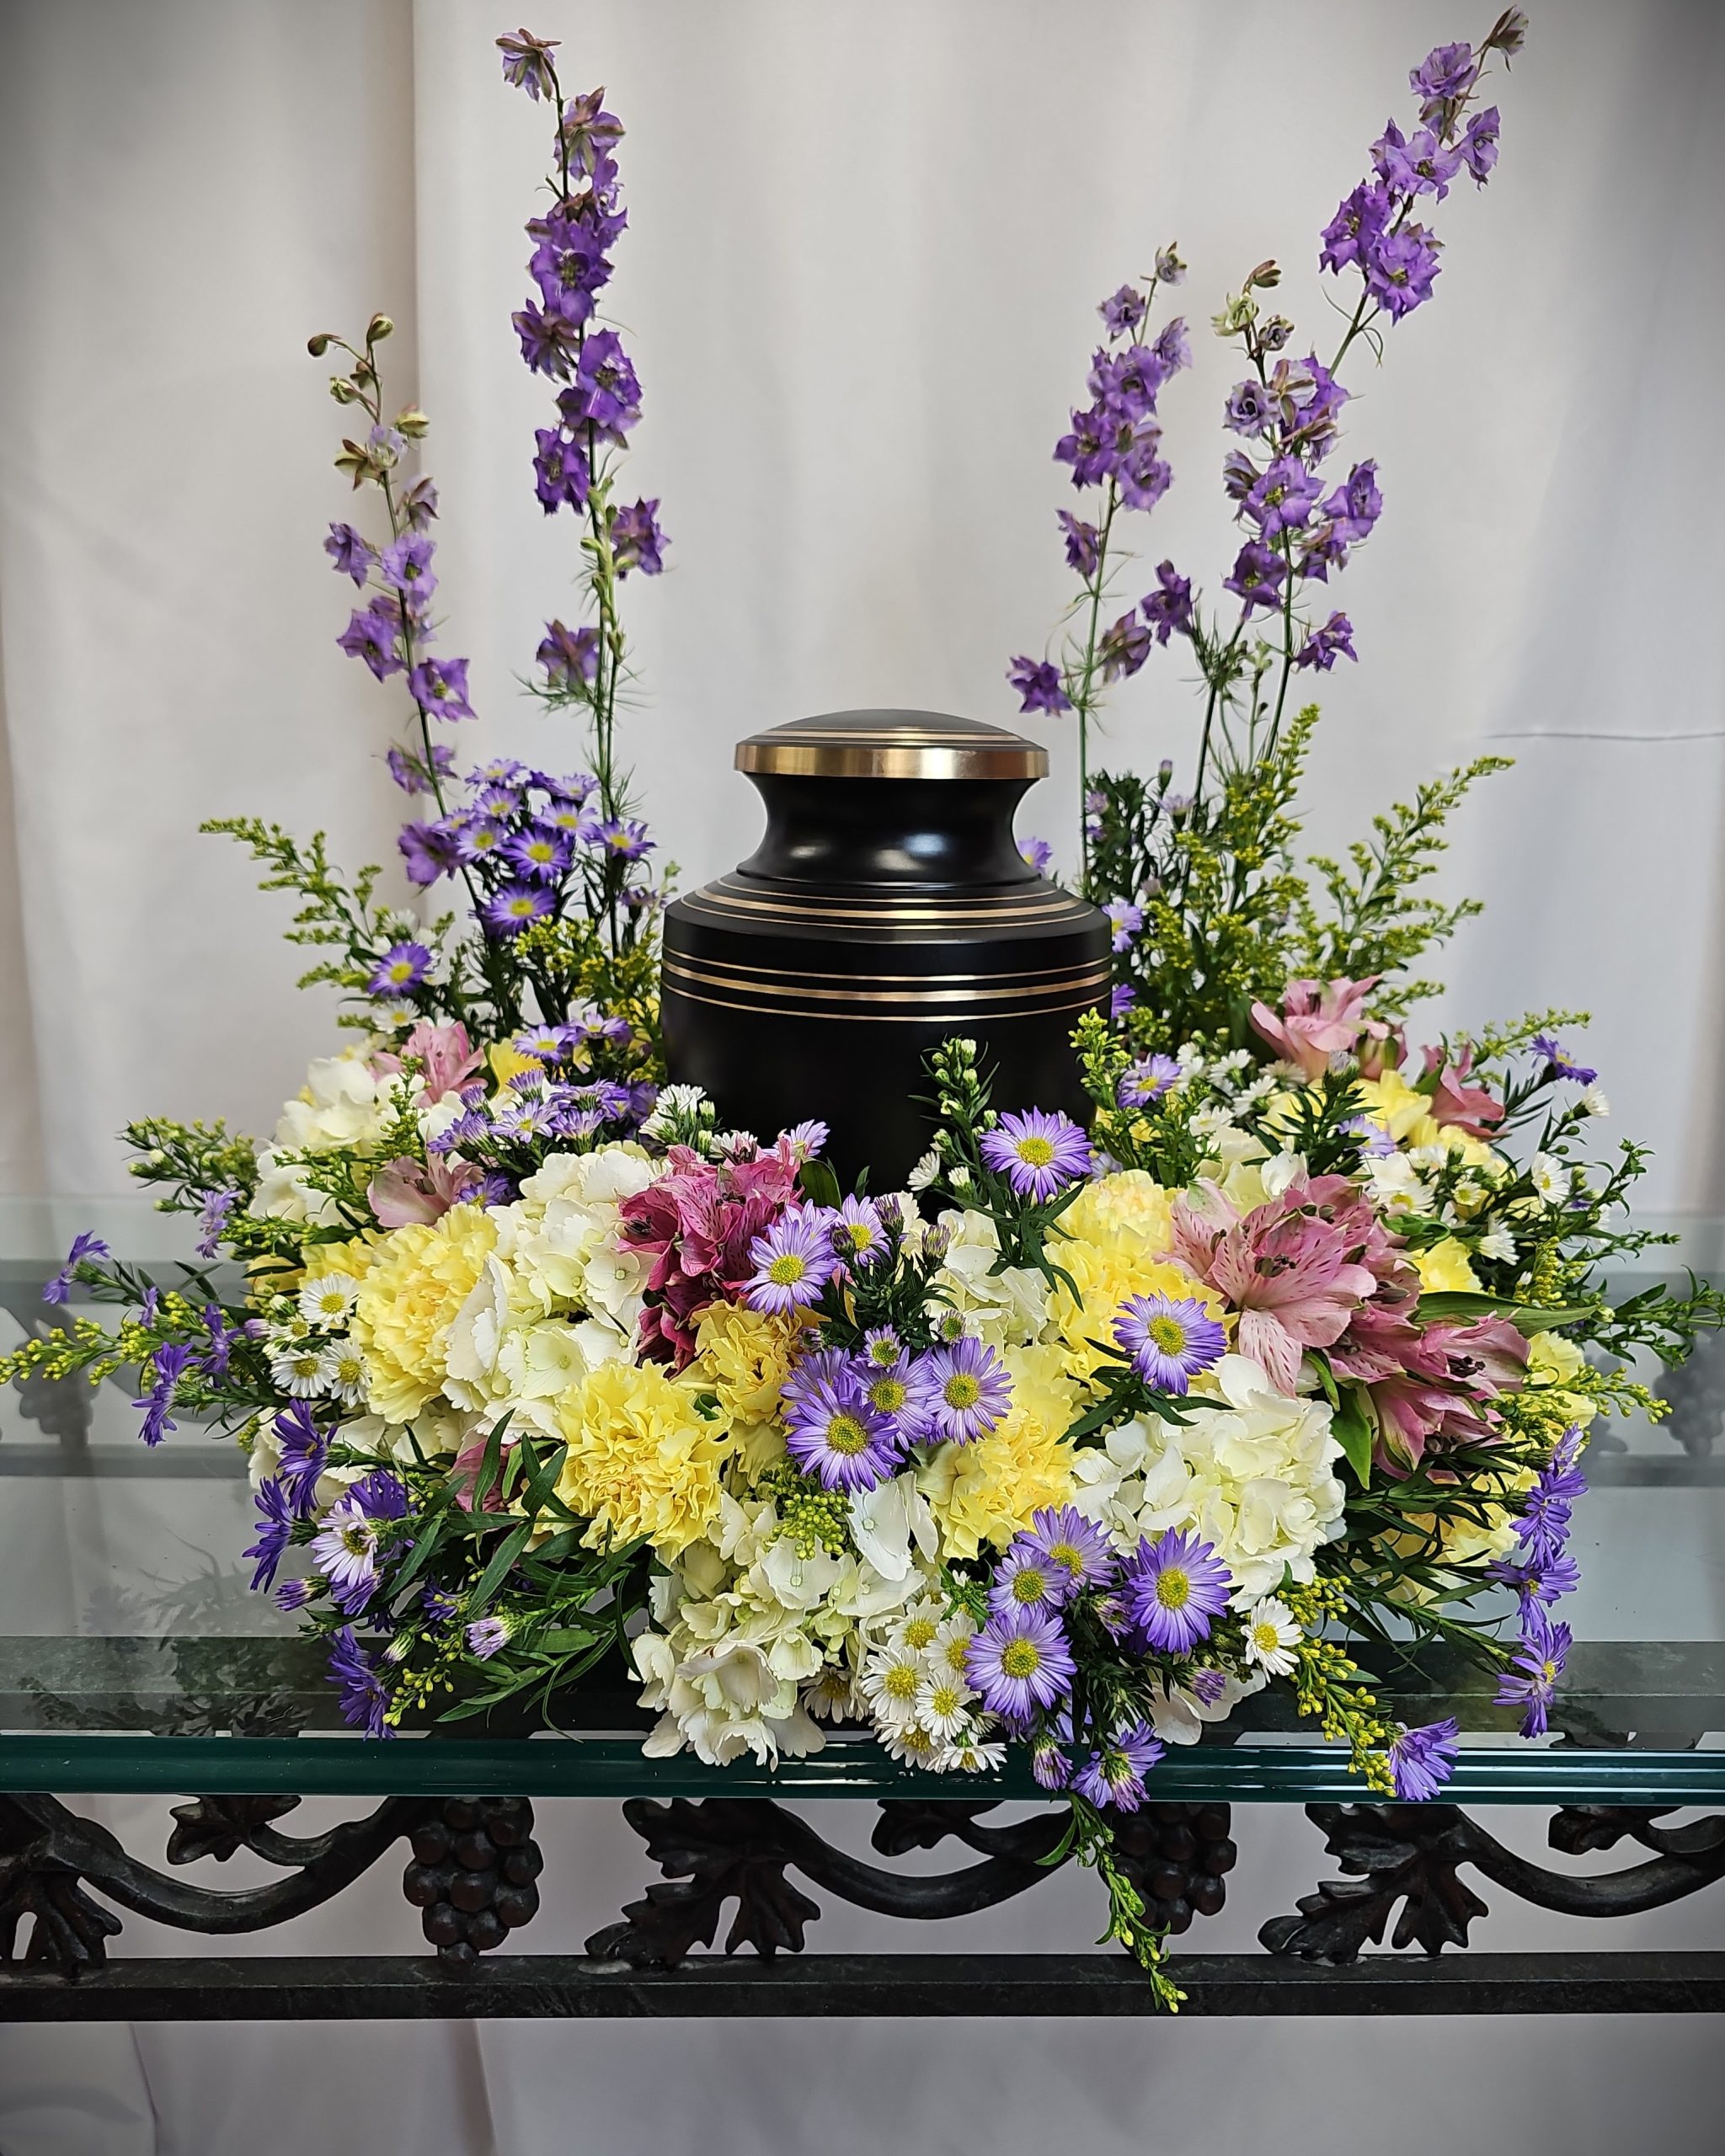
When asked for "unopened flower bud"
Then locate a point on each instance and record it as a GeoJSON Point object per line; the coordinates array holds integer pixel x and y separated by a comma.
{"type": "Point", "coordinates": [342, 390]}
{"type": "Point", "coordinates": [377, 328]}
{"type": "Point", "coordinates": [1169, 268]}
{"type": "Point", "coordinates": [412, 422]}
{"type": "Point", "coordinates": [1265, 276]}
{"type": "Point", "coordinates": [319, 345]}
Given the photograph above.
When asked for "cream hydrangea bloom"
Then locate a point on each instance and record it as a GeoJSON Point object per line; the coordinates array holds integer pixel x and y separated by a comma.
{"type": "Point", "coordinates": [1254, 1477]}
{"type": "Point", "coordinates": [344, 1105]}
{"type": "Point", "coordinates": [1008, 1309]}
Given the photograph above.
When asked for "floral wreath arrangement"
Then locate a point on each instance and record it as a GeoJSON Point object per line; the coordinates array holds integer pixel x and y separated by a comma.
{"type": "Point", "coordinates": [1085, 1436]}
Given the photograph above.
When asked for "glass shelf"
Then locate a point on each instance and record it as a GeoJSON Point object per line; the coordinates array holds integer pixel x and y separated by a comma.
{"type": "Point", "coordinates": [133, 1656]}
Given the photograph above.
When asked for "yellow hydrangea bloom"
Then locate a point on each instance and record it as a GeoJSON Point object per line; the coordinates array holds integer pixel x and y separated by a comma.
{"type": "Point", "coordinates": [745, 1355]}
{"type": "Point", "coordinates": [1446, 1268]}
{"type": "Point", "coordinates": [642, 1460]}
{"type": "Point", "coordinates": [986, 1491]}
{"type": "Point", "coordinates": [420, 1278]}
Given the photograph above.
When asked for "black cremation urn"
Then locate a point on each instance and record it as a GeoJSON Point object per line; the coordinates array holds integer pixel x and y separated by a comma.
{"type": "Point", "coordinates": [887, 908]}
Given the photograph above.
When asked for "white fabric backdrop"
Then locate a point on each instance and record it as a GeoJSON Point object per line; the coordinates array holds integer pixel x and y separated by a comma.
{"type": "Point", "coordinates": [867, 236]}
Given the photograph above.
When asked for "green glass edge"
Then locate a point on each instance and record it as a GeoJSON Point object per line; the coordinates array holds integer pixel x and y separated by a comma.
{"type": "Point", "coordinates": [612, 1767]}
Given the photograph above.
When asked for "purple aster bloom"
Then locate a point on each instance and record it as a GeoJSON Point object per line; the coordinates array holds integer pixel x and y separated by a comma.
{"type": "Point", "coordinates": [516, 906]}
{"type": "Point", "coordinates": [570, 657]}
{"type": "Point", "coordinates": [1121, 999]}
{"type": "Point", "coordinates": [1400, 268]}
{"type": "Point", "coordinates": [1357, 226]}
{"type": "Point", "coordinates": [1172, 347]}
{"type": "Point", "coordinates": [1073, 1545]}
{"type": "Point", "coordinates": [1028, 1579]}
{"type": "Point", "coordinates": [1207, 1686]}
{"type": "Point", "coordinates": [1544, 1524]}
{"type": "Point", "coordinates": [1169, 606]}
{"type": "Point", "coordinates": [541, 854]}
{"type": "Point", "coordinates": [402, 967]}
{"type": "Point", "coordinates": [902, 1390]}
{"type": "Point", "coordinates": [304, 1453]}
{"type": "Point", "coordinates": [1083, 543]}
{"type": "Point", "coordinates": [371, 635]}
{"type": "Point", "coordinates": [1038, 1153]}
{"type": "Point", "coordinates": [605, 393]}
{"type": "Point", "coordinates": [636, 539]}
{"type": "Point", "coordinates": [274, 1533]}
{"type": "Point", "coordinates": [1324, 646]}
{"type": "Point", "coordinates": [1049, 1763]}
{"type": "Point", "coordinates": [1447, 72]}
{"type": "Point", "coordinates": [1538, 1580]}
{"type": "Point", "coordinates": [345, 1550]}
{"type": "Point", "coordinates": [549, 1043]}
{"type": "Point", "coordinates": [405, 566]}
{"type": "Point", "coordinates": [168, 1363]}
{"type": "Point", "coordinates": [1019, 1662]}
{"type": "Point", "coordinates": [382, 1495]}
{"type": "Point", "coordinates": [1479, 143]}
{"type": "Point", "coordinates": [440, 687]}
{"type": "Point", "coordinates": [1169, 1340]}
{"type": "Point", "coordinates": [1558, 1063]}
{"type": "Point", "coordinates": [793, 1262]}
{"type": "Point", "coordinates": [1561, 1477]}
{"type": "Point", "coordinates": [1113, 1774]}
{"type": "Point", "coordinates": [365, 1698]}
{"type": "Point", "coordinates": [86, 1248]}
{"type": "Point", "coordinates": [857, 1231]}
{"type": "Point", "coordinates": [351, 554]}
{"type": "Point", "coordinates": [294, 1594]}
{"type": "Point", "coordinates": [528, 64]}
{"type": "Point", "coordinates": [1038, 681]}
{"type": "Point", "coordinates": [970, 1391]}
{"type": "Point", "coordinates": [497, 803]}
{"type": "Point", "coordinates": [485, 1635]}
{"type": "Point", "coordinates": [1250, 409]}
{"type": "Point", "coordinates": [1146, 1081]}
{"type": "Point", "coordinates": [1123, 310]}
{"type": "Point", "coordinates": [1126, 919]}
{"type": "Point", "coordinates": [439, 1605]}
{"type": "Point", "coordinates": [1566, 1454]}
{"type": "Point", "coordinates": [1283, 497]}
{"type": "Point", "coordinates": [622, 841]}
{"type": "Point", "coordinates": [551, 335]}
{"type": "Point", "coordinates": [1257, 578]}
{"type": "Point", "coordinates": [560, 472]}
{"type": "Point", "coordinates": [1421, 165]}
{"type": "Point", "coordinates": [882, 1348]}
{"type": "Point", "coordinates": [1174, 1586]}
{"type": "Point", "coordinates": [1531, 1679]}
{"type": "Point", "coordinates": [1036, 853]}
{"type": "Point", "coordinates": [1125, 647]}
{"type": "Point", "coordinates": [832, 1431]}
{"type": "Point", "coordinates": [430, 851]}
{"type": "Point", "coordinates": [213, 1215]}
{"type": "Point", "coordinates": [1422, 1760]}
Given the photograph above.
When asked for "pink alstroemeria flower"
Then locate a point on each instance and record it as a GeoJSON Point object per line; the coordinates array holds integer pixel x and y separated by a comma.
{"type": "Point", "coordinates": [1318, 1021]}
{"type": "Point", "coordinates": [1455, 1103]}
{"type": "Point", "coordinates": [448, 1054]}
{"type": "Point", "coordinates": [1450, 1372]}
{"type": "Point", "coordinates": [406, 1190]}
{"type": "Point", "coordinates": [1289, 1271]}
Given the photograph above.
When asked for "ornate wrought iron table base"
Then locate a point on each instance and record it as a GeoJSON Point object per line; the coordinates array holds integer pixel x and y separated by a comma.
{"type": "Point", "coordinates": [474, 1864]}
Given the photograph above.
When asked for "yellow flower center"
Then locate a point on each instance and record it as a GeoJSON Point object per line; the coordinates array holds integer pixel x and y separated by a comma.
{"type": "Point", "coordinates": [961, 1389]}
{"type": "Point", "coordinates": [1034, 1152]}
{"type": "Point", "coordinates": [1266, 1638]}
{"type": "Point", "coordinates": [1173, 1587]}
{"type": "Point", "coordinates": [919, 1633]}
{"type": "Point", "coordinates": [958, 1660]}
{"type": "Point", "coordinates": [901, 1682]}
{"type": "Point", "coordinates": [1067, 1554]}
{"type": "Point", "coordinates": [1169, 1334]}
{"type": "Point", "coordinates": [786, 1269]}
{"type": "Point", "coordinates": [944, 1701]}
{"type": "Point", "coordinates": [845, 1434]}
{"type": "Point", "coordinates": [356, 1539]}
{"type": "Point", "coordinates": [1029, 1585]}
{"type": "Point", "coordinates": [888, 1394]}
{"type": "Point", "coordinates": [1021, 1658]}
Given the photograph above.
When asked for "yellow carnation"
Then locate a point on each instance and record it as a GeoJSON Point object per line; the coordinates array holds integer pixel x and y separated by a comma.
{"type": "Point", "coordinates": [420, 1278]}
{"type": "Point", "coordinates": [745, 1357]}
{"type": "Point", "coordinates": [1399, 1108]}
{"type": "Point", "coordinates": [353, 1260]}
{"type": "Point", "coordinates": [642, 1460]}
{"type": "Point", "coordinates": [1131, 1204]}
{"type": "Point", "coordinates": [1446, 1268]}
{"type": "Point", "coordinates": [1106, 1273]}
{"type": "Point", "coordinates": [986, 1491]}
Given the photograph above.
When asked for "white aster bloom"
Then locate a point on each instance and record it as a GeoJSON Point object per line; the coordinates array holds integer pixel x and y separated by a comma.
{"type": "Point", "coordinates": [1550, 1178]}
{"type": "Point", "coordinates": [941, 1706]}
{"type": "Point", "coordinates": [1396, 1184]}
{"type": "Point", "coordinates": [327, 1300]}
{"type": "Point", "coordinates": [909, 1745]}
{"type": "Point", "coordinates": [973, 1755]}
{"type": "Point", "coordinates": [347, 1373]}
{"type": "Point", "coordinates": [305, 1371]}
{"type": "Point", "coordinates": [1498, 1245]}
{"type": "Point", "coordinates": [892, 1684]}
{"type": "Point", "coordinates": [919, 1625]}
{"type": "Point", "coordinates": [1594, 1102]}
{"type": "Point", "coordinates": [950, 1648]}
{"type": "Point", "coordinates": [925, 1171]}
{"type": "Point", "coordinates": [1272, 1637]}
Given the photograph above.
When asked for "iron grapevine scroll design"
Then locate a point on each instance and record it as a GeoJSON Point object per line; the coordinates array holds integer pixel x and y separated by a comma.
{"type": "Point", "coordinates": [1412, 1855]}
{"type": "Point", "coordinates": [722, 1849]}
{"type": "Point", "coordinates": [473, 1873]}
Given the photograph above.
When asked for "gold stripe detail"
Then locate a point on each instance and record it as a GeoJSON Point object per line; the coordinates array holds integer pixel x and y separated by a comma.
{"type": "Point", "coordinates": [883, 755]}
{"type": "Point", "coordinates": [925, 912]}
{"type": "Point", "coordinates": [691, 962]}
{"type": "Point", "coordinates": [780, 996]}
{"type": "Point", "coordinates": [960, 1017]}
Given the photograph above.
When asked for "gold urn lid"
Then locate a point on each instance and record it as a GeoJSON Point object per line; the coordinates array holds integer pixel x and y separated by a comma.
{"type": "Point", "coordinates": [926, 744]}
